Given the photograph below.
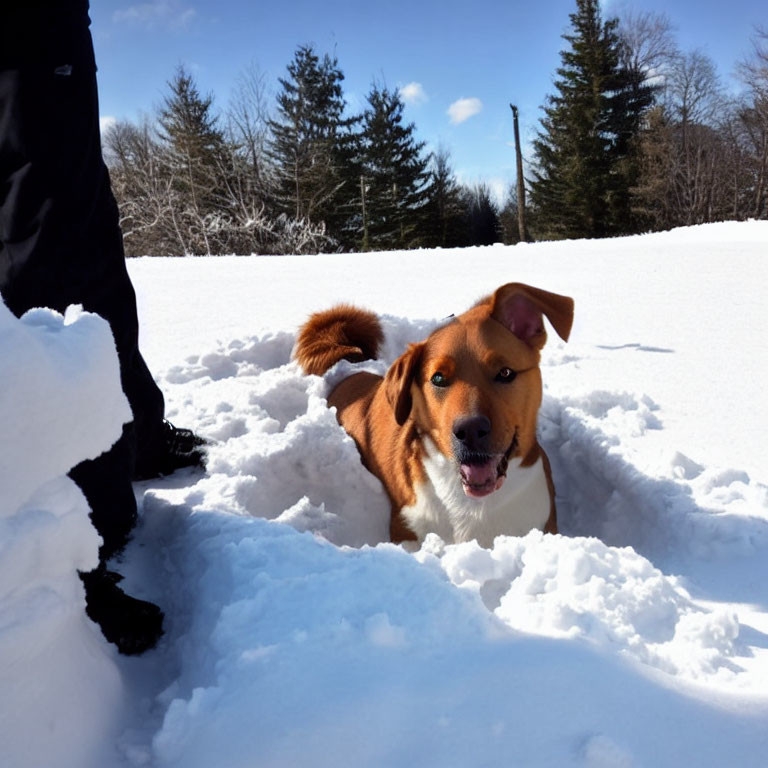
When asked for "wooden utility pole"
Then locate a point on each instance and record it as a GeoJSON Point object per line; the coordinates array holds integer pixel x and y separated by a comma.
{"type": "Point", "coordinates": [522, 228]}
{"type": "Point", "coordinates": [365, 217]}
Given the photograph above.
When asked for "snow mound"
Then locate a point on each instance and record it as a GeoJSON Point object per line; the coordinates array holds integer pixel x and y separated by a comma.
{"type": "Point", "coordinates": [295, 635]}
{"type": "Point", "coordinates": [662, 503]}
{"type": "Point", "coordinates": [639, 637]}
{"type": "Point", "coordinates": [61, 689]}
{"type": "Point", "coordinates": [752, 231]}
{"type": "Point", "coordinates": [576, 587]}
{"type": "Point", "coordinates": [52, 367]}
{"type": "Point", "coordinates": [608, 585]}
{"type": "Point", "coordinates": [274, 610]}
{"type": "Point", "coordinates": [287, 650]}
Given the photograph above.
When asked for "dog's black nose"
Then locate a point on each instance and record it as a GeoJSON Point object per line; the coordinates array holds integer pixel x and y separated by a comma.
{"type": "Point", "coordinates": [473, 432]}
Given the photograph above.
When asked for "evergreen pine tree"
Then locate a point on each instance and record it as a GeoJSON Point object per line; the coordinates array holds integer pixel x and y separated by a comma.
{"type": "Point", "coordinates": [312, 143]}
{"type": "Point", "coordinates": [194, 149]}
{"type": "Point", "coordinates": [631, 107]}
{"type": "Point", "coordinates": [346, 213]}
{"type": "Point", "coordinates": [446, 225]}
{"type": "Point", "coordinates": [653, 194]}
{"type": "Point", "coordinates": [395, 178]}
{"type": "Point", "coordinates": [584, 148]}
{"type": "Point", "coordinates": [484, 226]}
{"type": "Point", "coordinates": [509, 224]}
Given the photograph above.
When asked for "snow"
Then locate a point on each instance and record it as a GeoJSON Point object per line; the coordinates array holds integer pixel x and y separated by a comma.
{"type": "Point", "coordinates": [62, 691]}
{"type": "Point", "coordinates": [296, 635]}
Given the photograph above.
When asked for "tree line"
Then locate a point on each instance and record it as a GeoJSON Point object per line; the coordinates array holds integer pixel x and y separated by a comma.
{"type": "Point", "coordinates": [306, 179]}
{"type": "Point", "coordinates": [641, 136]}
{"type": "Point", "coordinates": [638, 136]}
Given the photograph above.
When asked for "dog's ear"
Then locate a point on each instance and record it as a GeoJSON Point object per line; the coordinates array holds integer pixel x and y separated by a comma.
{"type": "Point", "coordinates": [397, 382]}
{"type": "Point", "coordinates": [520, 308]}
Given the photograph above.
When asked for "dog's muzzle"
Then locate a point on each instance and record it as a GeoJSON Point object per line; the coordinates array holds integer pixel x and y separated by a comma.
{"type": "Point", "coordinates": [481, 471]}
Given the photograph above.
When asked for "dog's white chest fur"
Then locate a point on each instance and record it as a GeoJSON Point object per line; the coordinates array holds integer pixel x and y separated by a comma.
{"type": "Point", "coordinates": [442, 507]}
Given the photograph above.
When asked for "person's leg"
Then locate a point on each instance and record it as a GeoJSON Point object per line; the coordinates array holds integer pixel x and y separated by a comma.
{"type": "Point", "coordinates": [60, 244]}
{"type": "Point", "coordinates": [60, 232]}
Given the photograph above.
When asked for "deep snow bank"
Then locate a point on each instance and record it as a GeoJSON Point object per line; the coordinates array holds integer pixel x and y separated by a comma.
{"type": "Point", "coordinates": [561, 650]}
{"type": "Point", "coordinates": [291, 651]}
{"type": "Point", "coordinates": [282, 456]}
{"type": "Point", "coordinates": [640, 638]}
{"type": "Point", "coordinates": [61, 692]}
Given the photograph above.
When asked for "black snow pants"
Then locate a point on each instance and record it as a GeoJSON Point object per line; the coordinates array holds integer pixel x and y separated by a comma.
{"type": "Point", "coordinates": [60, 239]}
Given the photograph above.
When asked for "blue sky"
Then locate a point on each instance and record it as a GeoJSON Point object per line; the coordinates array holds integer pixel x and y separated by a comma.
{"type": "Point", "coordinates": [460, 61]}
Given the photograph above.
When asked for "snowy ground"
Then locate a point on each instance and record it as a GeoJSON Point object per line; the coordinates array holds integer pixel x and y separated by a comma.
{"type": "Point", "coordinates": [296, 637]}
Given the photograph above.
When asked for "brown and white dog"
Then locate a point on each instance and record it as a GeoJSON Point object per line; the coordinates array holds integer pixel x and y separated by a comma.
{"type": "Point", "coordinates": [450, 430]}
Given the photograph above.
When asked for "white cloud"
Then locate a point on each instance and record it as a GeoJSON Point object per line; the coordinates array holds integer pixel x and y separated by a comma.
{"type": "Point", "coordinates": [157, 13]}
{"type": "Point", "coordinates": [106, 122]}
{"type": "Point", "coordinates": [463, 109]}
{"type": "Point", "coordinates": [413, 93]}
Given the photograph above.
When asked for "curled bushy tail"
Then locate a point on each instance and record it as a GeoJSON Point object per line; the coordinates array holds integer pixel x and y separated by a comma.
{"type": "Point", "coordinates": [341, 333]}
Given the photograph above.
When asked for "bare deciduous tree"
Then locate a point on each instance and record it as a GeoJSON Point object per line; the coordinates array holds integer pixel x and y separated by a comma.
{"type": "Point", "coordinates": [692, 92]}
{"type": "Point", "coordinates": [692, 165]}
{"type": "Point", "coordinates": [754, 118]}
{"type": "Point", "coordinates": [145, 191]}
{"type": "Point", "coordinates": [247, 123]}
{"type": "Point", "coordinates": [648, 44]}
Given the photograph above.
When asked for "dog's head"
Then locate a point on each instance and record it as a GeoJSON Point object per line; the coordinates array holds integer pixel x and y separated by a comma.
{"type": "Point", "coordinates": [474, 386]}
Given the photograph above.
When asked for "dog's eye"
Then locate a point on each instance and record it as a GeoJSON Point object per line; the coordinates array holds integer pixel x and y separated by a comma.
{"type": "Point", "coordinates": [439, 379]}
{"type": "Point", "coordinates": [505, 375]}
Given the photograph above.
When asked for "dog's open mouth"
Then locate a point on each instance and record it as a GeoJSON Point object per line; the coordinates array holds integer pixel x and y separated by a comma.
{"type": "Point", "coordinates": [482, 474]}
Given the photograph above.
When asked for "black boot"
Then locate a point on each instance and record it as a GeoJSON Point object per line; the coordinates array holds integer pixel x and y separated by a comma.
{"type": "Point", "coordinates": [133, 625]}
{"type": "Point", "coordinates": [175, 449]}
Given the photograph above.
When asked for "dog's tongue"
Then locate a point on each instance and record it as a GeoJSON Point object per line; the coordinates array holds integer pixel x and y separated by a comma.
{"type": "Point", "coordinates": [480, 479]}
{"type": "Point", "coordinates": [479, 474]}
